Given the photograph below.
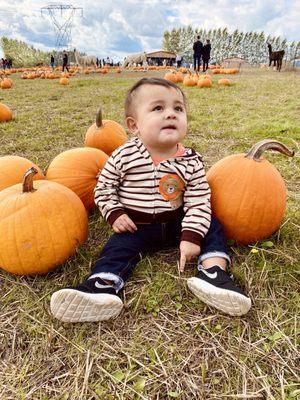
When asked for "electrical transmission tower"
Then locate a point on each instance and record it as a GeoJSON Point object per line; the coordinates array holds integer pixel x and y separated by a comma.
{"type": "Point", "coordinates": [62, 18]}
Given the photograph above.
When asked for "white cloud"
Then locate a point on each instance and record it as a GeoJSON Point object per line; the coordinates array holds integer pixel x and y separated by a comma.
{"type": "Point", "coordinates": [126, 26]}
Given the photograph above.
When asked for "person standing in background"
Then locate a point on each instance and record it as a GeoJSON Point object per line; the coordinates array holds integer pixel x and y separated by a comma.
{"type": "Point", "coordinates": [52, 61]}
{"type": "Point", "coordinates": [206, 54]}
{"type": "Point", "coordinates": [65, 61]}
{"type": "Point", "coordinates": [197, 48]}
{"type": "Point", "coordinates": [178, 60]}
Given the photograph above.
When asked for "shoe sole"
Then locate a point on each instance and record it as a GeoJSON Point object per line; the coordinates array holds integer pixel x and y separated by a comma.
{"type": "Point", "coordinates": [69, 305]}
{"type": "Point", "coordinates": [228, 301]}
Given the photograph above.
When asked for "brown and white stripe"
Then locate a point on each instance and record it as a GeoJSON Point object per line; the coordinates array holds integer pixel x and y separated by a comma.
{"type": "Point", "coordinates": [129, 183]}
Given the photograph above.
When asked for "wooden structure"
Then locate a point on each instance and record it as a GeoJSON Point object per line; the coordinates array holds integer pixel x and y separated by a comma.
{"type": "Point", "coordinates": [162, 57]}
{"type": "Point", "coordinates": [235, 62]}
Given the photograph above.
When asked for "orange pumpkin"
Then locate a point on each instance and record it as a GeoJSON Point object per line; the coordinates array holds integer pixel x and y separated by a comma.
{"type": "Point", "coordinates": [64, 81]}
{"type": "Point", "coordinates": [78, 170]}
{"type": "Point", "coordinates": [106, 135]}
{"type": "Point", "coordinates": [42, 223]}
{"type": "Point", "coordinates": [171, 76]}
{"type": "Point", "coordinates": [5, 113]}
{"type": "Point", "coordinates": [179, 77]}
{"type": "Point", "coordinates": [224, 82]}
{"type": "Point", "coordinates": [6, 83]}
{"type": "Point", "coordinates": [189, 80]}
{"type": "Point", "coordinates": [248, 193]}
{"type": "Point", "coordinates": [204, 81]}
{"type": "Point", "coordinates": [13, 168]}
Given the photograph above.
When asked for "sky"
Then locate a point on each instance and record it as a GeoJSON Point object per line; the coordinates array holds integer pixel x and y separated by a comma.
{"type": "Point", "coordinates": [120, 27]}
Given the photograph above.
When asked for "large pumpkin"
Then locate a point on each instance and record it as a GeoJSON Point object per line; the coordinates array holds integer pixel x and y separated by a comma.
{"type": "Point", "coordinates": [13, 168]}
{"type": "Point", "coordinates": [248, 193]}
{"type": "Point", "coordinates": [5, 113]}
{"type": "Point", "coordinates": [41, 224]}
{"type": "Point", "coordinates": [78, 169]}
{"type": "Point", "coordinates": [105, 134]}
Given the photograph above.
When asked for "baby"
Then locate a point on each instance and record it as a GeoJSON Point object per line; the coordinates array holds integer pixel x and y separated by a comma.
{"type": "Point", "coordinates": [154, 193]}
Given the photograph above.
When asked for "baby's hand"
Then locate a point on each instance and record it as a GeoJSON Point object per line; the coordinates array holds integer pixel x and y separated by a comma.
{"type": "Point", "coordinates": [188, 251]}
{"type": "Point", "coordinates": [124, 224]}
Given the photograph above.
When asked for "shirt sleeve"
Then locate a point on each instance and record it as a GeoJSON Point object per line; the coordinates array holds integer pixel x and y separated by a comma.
{"type": "Point", "coordinates": [197, 207]}
{"type": "Point", "coordinates": [106, 191]}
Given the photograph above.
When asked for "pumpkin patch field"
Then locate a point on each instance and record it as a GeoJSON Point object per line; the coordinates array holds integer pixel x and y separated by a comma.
{"type": "Point", "coordinates": [166, 343]}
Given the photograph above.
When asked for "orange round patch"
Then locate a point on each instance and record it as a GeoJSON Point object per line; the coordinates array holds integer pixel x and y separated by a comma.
{"type": "Point", "coordinates": [171, 186]}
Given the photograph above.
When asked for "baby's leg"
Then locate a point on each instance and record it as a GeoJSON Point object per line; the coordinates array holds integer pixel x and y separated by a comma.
{"type": "Point", "coordinates": [97, 298]}
{"type": "Point", "coordinates": [213, 284]}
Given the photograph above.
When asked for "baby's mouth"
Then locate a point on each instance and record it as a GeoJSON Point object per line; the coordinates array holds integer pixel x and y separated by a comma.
{"type": "Point", "coordinates": [169, 127]}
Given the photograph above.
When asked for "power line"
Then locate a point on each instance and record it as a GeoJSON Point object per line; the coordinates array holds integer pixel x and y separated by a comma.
{"type": "Point", "coordinates": [62, 16]}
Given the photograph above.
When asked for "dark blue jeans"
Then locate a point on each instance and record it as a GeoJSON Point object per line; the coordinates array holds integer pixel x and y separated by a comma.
{"type": "Point", "coordinates": [197, 61]}
{"type": "Point", "coordinates": [123, 251]}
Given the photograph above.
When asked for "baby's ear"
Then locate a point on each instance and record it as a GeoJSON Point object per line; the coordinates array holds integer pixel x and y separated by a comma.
{"type": "Point", "coordinates": [131, 125]}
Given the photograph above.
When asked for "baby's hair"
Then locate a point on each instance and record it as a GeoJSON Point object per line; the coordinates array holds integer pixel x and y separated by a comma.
{"type": "Point", "coordinates": [147, 81]}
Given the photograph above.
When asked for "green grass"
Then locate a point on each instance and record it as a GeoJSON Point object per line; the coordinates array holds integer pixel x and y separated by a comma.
{"type": "Point", "coordinates": [166, 344]}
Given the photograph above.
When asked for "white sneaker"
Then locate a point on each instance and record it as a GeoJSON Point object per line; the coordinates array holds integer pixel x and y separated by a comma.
{"type": "Point", "coordinates": [215, 287]}
{"type": "Point", "coordinates": [86, 302]}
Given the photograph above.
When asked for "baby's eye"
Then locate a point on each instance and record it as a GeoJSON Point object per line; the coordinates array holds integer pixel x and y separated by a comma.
{"type": "Point", "coordinates": [179, 108]}
{"type": "Point", "coordinates": [157, 108]}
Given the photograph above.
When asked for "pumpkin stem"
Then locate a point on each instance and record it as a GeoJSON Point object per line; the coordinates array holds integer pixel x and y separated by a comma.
{"type": "Point", "coordinates": [267, 144]}
{"type": "Point", "coordinates": [99, 118]}
{"type": "Point", "coordinates": [28, 180]}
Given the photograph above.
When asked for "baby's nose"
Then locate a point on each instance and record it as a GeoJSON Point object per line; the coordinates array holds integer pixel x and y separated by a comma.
{"type": "Point", "coordinates": [170, 114]}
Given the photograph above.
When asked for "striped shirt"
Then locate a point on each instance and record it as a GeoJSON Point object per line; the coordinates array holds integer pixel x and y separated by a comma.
{"type": "Point", "coordinates": [131, 184]}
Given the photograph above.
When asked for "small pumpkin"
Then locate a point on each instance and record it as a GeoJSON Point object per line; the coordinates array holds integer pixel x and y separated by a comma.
{"type": "Point", "coordinates": [171, 76]}
{"type": "Point", "coordinates": [189, 80]}
{"type": "Point", "coordinates": [248, 193]}
{"type": "Point", "coordinates": [64, 81]}
{"type": "Point", "coordinates": [179, 77]}
{"type": "Point", "coordinates": [105, 134]}
{"type": "Point", "coordinates": [42, 223]}
{"type": "Point", "coordinates": [5, 113]}
{"type": "Point", "coordinates": [6, 83]}
{"type": "Point", "coordinates": [224, 82]}
{"type": "Point", "coordinates": [204, 81]}
{"type": "Point", "coordinates": [13, 168]}
{"type": "Point", "coordinates": [78, 170]}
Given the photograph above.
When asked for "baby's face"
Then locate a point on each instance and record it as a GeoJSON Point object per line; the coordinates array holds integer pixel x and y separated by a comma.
{"type": "Point", "coordinates": [160, 119]}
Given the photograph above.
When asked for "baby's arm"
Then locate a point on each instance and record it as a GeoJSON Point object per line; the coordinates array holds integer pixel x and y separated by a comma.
{"type": "Point", "coordinates": [107, 199]}
{"type": "Point", "coordinates": [197, 208]}
{"type": "Point", "coordinates": [197, 217]}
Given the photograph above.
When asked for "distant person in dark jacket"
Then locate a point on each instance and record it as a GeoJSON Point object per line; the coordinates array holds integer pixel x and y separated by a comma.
{"type": "Point", "coordinates": [197, 48]}
{"type": "Point", "coordinates": [52, 61]}
{"type": "Point", "coordinates": [65, 61]}
{"type": "Point", "coordinates": [206, 54]}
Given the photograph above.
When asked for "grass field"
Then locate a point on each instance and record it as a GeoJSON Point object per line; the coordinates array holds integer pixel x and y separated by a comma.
{"type": "Point", "coordinates": [166, 343]}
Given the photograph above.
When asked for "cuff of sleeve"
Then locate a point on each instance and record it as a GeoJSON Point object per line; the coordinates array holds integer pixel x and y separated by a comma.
{"type": "Point", "coordinates": [191, 236]}
{"type": "Point", "coordinates": [114, 215]}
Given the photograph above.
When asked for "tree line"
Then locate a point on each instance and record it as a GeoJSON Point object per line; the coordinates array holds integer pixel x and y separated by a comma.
{"type": "Point", "coordinates": [249, 45]}
{"type": "Point", "coordinates": [24, 55]}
